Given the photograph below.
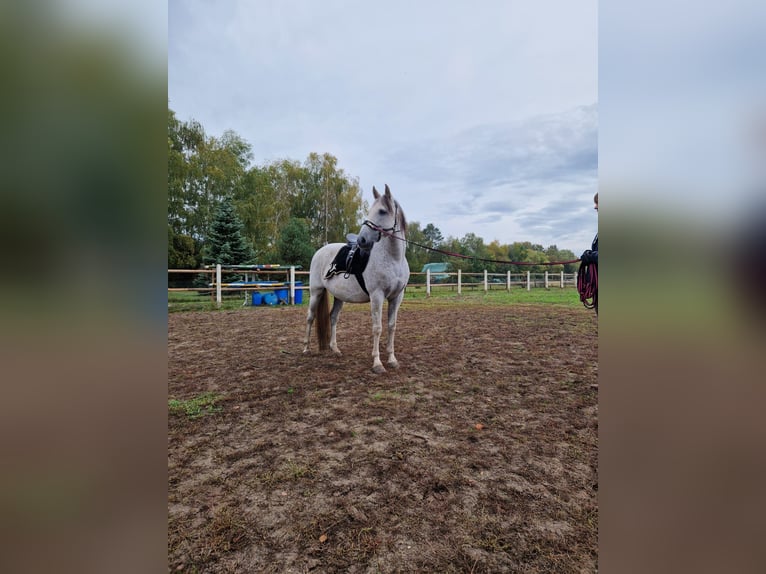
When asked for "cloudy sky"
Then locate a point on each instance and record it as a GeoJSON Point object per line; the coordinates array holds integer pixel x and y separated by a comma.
{"type": "Point", "coordinates": [481, 117]}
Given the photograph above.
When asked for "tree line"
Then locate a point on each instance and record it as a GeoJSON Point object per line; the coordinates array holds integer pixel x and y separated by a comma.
{"type": "Point", "coordinates": [223, 209]}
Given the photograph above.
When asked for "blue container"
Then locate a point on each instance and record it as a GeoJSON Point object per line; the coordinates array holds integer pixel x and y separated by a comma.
{"type": "Point", "coordinates": [257, 298]}
{"type": "Point", "coordinates": [298, 293]}
{"type": "Point", "coordinates": [270, 299]}
{"type": "Point", "coordinates": [282, 295]}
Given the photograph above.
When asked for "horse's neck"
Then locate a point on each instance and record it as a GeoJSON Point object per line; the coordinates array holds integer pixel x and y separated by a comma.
{"type": "Point", "coordinates": [394, 246]}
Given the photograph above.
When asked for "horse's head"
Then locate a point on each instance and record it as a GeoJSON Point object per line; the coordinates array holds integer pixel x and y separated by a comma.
{"type": "Point", "coordinates": [384, 217]}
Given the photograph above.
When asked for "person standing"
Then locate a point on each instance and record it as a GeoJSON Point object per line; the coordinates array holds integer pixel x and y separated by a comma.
{"type": "Point", "coordinates": [587, 279]}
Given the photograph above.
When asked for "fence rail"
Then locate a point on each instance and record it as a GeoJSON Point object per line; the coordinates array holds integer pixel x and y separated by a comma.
{"type": "Point", "coordinates": [455, 281]}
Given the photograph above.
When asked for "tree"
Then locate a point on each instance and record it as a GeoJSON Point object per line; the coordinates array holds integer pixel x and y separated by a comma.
{"type": "Point", "coordinates": [473, 245]}
{"type": "Point", "coordinates": [184, 141]}
{"type": "Point", "coordinates": [453, 245]}
{"type": "Point", "coordinates": [225, 243]}
{"type": "Point", "coordinates": [497, 252]}
{"type": "Point", "coordinates": [554, 254]}
{"type": "Point", "coordinates": [331, 201]}
{"type": "Point", "coordinates": [216, 172]}
{"type": "Point", "coordinates": [433, 237]}
{"type": "Point", "coordinates": [416, 256]}
{"type": "Point", "coordinates": [182, 252]}
{"type": "Point", "coordinates": [260, 212]}
{"type": "Point", "coordinates": [294, 245]}
{"type": "Point", "coordinates": [201, 172]}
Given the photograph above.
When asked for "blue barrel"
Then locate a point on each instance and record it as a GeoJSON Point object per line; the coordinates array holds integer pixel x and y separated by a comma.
{"type": "Point", "coordinates": [270, 299]}
{"type": "Point", "coordinates": [298, 293]}
{"type": "Point", "coordinates": [282, 295]}
{"type": "Point", "coordinates": [257, 298]}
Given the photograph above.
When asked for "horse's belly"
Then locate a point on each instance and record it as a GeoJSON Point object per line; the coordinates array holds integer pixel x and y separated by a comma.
{"type": "Point", "coordinates": [347, 289]}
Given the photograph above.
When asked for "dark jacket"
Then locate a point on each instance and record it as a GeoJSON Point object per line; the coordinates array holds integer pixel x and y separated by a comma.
{"type": "Point", "coordinates": [591, 255]}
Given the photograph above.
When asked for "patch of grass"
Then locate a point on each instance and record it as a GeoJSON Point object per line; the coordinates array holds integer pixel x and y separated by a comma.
{"type": "Point", "coordinates": [294, 470]}
{"type": "Point", "coordinates": [414, 294]}
{"type": "Point", "coordinates": [441, 296]}
{"type": "Point", "coordinates": [204, 404]}
{"type": "Point", "coordinates": [288, 471]}
{"type": "Point", "coordinates": [391, 395]}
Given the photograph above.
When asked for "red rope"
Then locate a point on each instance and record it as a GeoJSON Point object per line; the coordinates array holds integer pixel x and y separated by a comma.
{"type": "Point", "coordinates": [587, 285]}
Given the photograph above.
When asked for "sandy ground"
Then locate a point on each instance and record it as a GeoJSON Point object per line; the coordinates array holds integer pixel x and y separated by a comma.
{"type": "Point", "coordinates": [479, 454]}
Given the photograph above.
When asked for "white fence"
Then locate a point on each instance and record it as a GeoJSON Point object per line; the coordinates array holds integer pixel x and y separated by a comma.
{"type": "Point", "coordinates": [487, 281]}
{"type": "Point", "coordinates": [455, 281]}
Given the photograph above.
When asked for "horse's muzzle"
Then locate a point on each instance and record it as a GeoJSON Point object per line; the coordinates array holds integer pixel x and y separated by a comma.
{"type": "Point", "coordinates": [363, 242]}
{"type": "Point", "coordinates": [368, 236]}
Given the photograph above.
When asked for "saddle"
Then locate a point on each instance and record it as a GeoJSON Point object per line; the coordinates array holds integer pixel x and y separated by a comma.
{"type": "Point", "coordinates": [350, 260]}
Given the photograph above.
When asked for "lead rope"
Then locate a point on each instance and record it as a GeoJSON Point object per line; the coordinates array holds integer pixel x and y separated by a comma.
{"type": "Point", "coordinates": [587, 285]}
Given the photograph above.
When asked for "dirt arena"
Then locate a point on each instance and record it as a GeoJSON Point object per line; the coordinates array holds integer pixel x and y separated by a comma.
{"type": "Point", "coordinates": [479, 454]}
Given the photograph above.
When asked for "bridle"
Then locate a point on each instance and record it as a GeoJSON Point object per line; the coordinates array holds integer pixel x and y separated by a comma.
{"type": "Point", "coordinates": [383, 230]}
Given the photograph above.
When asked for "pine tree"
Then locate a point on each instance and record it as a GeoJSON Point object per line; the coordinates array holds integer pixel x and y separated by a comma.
{"type": "Point", "coordinates": [226, 243]}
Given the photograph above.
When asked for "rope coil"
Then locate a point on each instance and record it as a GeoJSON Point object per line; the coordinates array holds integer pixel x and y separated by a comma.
{"type": "Point", "coordinates": [587, 285]}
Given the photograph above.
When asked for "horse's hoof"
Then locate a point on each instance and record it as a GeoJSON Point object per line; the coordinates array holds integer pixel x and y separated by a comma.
{"type": "Point", "coordinates": [393, 364]}
{"type": "Point", "coordinates": [306, 352]}
{"type": "Point", "coordinates": [378, 369]}
{"type": "Point", "coordinates": [336, 352]}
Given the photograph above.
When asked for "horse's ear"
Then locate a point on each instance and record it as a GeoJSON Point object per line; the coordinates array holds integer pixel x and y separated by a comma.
{"type": "Point", "coordinates": [375, 193]}
{"type": "Point", "coordinates": [388, 191]}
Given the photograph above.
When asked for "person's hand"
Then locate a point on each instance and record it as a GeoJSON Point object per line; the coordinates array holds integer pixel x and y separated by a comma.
{"type": "Point", "coordinates": [587, 257]}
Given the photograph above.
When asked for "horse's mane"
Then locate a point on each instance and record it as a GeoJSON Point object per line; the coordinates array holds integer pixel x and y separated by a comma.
{"type": "Point", "coordinates": [401, 220]}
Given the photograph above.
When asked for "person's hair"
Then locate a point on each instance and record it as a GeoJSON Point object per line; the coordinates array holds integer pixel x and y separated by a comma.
{"type": "Point", "coordinates": [595, 198]}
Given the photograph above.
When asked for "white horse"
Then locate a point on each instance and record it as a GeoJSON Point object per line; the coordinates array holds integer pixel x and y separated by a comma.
{"type": "Point", "coordinates": [385, 277]}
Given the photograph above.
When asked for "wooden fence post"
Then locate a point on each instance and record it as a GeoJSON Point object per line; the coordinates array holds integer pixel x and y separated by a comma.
{"type": "Point", "coordinates": [529, 284]}
{"type": "Point", "coordinates": [428, 282]}
{"type": "Point", "coordinates": [292, 285]}
{"type": "Point", "coordinates": [546, 279]}
{"type": "Point", "coordinates": [562, 279]}
{"type": "Point", "coordinates": [218, 284]}
{"type": "Point", "coordinates": [486, 285]}
{"type": "Point", "coordinates": [508, 281]}
{"type": "Point", "coordinates": [459, 281]}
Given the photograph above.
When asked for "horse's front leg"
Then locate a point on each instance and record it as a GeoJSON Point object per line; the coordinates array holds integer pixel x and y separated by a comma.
{"type": "Point", "coordinates": [376, 309]}
{"type": "Point", "coordinates": [393, 309]}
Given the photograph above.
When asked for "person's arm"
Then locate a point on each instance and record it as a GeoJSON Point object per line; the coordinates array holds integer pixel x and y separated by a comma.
{"type": "Point", "coordinates": [589, 257]}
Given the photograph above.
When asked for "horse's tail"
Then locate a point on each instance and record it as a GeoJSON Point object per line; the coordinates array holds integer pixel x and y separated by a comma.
{"type": "Point", "coordinates": [323, 321]}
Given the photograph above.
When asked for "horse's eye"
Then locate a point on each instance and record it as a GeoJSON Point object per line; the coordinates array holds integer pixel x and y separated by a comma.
{"type": "Point", "coordinates": [382, 212]}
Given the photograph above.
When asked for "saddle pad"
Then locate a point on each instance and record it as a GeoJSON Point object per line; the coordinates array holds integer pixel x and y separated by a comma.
{"type": "Point", "coordinates": [357, 266]}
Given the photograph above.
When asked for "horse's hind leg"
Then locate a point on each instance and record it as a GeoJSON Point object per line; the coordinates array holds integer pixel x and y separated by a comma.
{"type": "Point", "coordinates": [336, 307]}
{"type": "Point", "coordinates": [393, 309]}
{"type": "Point", "coordinates": [315, 299]}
